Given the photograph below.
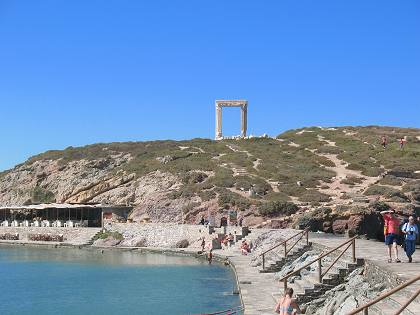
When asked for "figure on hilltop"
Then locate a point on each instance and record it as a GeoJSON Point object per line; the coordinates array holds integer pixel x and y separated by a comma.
{"type": "Point", "coordinates": [402, 142]}
{"type": "Point", "coordinates": [384, 141]}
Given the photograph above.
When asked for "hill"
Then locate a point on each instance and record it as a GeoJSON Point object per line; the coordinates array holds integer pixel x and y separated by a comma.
{"type": "Point", "coordinates": [271, 181]}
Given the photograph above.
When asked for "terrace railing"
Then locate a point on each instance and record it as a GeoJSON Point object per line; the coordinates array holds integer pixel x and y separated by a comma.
{"type": "Point", "coordinates": [350, 242]}
{"type": "Point", "coordinates": [365, 308]}
{"type": "Point", "coordinates": [287, 250]}
{"type": "Point", "coordinates": [232, 311]}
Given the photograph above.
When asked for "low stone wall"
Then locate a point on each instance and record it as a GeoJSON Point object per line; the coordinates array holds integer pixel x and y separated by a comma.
{"type": "Point", "coordinates": [73, 236]}
{"type": "Point", "coordinates": [160, 234]}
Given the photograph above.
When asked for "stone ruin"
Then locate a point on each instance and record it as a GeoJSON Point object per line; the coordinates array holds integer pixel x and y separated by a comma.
{"type": "Point", "coordinates": [243, 104]}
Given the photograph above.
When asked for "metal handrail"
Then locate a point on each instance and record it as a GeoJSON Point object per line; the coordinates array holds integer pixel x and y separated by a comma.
{"type": "Point", "coordinates": [231, 311]}
{"type": "Point", "coordinates": [351, 241]}
{"type": "Point", "coordinates": [365, 307]}
{"type": "Point", "coordinates": [286, 251]}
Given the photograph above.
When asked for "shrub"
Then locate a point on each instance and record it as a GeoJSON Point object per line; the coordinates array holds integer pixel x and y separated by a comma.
{"type": "Point", "coordinates": [108, 234]}
{"type": "Point", "coordinates": [189, 207]}
{"type": "Point", "coordinates": [352, 180]}
{"type": "Point", "coordinates": [228, 199]}
{"type": "Point", "coordinates": [207, 195]}
{"type": "Point", "coordinates": [314, 196]}
{"type": "Point", "coordinates": [276, 208]}
{"type": "Point", "coordinates": [380, 190]}
{"type": "Point", "coordinates": [391, 180]}
{"type": "Point", "coordinates": [398, 196]}
{"type": "Point", "coordinates": [41, 195]}
{"type": "Point", "coordinates": [194, 178]}
{"type": "Point", "coordinates": [380, 206]}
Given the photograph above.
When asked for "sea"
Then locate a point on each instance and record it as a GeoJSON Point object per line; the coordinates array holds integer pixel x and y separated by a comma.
{"type": "Point", "coordinates": [83, 281]}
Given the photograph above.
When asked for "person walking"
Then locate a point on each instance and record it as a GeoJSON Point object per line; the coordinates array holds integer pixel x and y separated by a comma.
{"type": "Point", "coordinates": [203, 244]}
{"type": "Point", "coordinates": [210, 256]}
{"type": "Point", "coordinates": [391, 231]}
{"type": "Point", "coordinates": [384, 141]}
{"type": "Point", "coordinates": [402, 141]}
{"type": "Point", "coordinates": [411, 232]}
{"type": "Point", "coordinates": [287, 305]}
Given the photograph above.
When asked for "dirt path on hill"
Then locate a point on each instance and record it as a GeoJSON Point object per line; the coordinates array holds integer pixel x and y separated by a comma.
{"type": "Point", "coordinates": [336, 188]}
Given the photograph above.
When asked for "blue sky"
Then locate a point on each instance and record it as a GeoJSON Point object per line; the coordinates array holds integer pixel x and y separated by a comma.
{"type": "Point", "coordinates": [80, 72]}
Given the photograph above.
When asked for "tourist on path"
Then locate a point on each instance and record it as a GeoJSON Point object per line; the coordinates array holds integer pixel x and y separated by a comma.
{"type": "Point", "coordinates": [203, 244]}
{"type": "Point", "coordinates": [384, 141]}
{"type": "Point", "coordinates": [245, 248]}
{"type": "Point", "coordinates": [391, 231]}
{"type": "Point", "coordinates": [210, 256]}
{"type": "Point", "coordinates": [402, 141]}
{"type": "Point", "coordinates": [411, 233]}
{"type": "Point", "coordinates": [287, 305]}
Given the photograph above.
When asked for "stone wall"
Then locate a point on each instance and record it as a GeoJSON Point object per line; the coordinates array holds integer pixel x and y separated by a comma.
{"type": "Point", "coordinates": [160, 234]}
{"type": "Point", "coordinates": [73, 236]}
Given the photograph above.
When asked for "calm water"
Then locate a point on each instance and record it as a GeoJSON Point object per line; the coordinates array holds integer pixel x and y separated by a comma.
{"type": "Point", "coordinates": [71, 281]}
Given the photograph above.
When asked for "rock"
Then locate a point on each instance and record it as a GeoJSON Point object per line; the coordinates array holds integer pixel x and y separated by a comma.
{"type": "Point", "coordinates": [108, 242]}
{"type": "Point", "coordinates": [339, 226]}
{"type": "Point", "coordinates": [165, 159]}
{"type": "Point", "coordinates": [182, 244]}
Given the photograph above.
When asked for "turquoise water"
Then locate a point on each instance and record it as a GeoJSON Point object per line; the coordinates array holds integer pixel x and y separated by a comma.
{"type": "Point", "coordinates": [72, 281]}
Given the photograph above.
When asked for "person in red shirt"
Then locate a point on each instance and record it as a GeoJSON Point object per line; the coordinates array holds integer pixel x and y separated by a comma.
{"type": "Point", "coordinates": [402, 140]}
{"type": "Point", "coordinates": [384, 141]}
{"type": "Point", "coordinates": [391, 231]}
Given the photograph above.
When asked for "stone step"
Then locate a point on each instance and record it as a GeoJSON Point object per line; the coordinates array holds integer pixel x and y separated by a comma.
{"type": "Point", "coordinates": [399, 299]}
{"type": "Point", "coordinates": [386, 308]}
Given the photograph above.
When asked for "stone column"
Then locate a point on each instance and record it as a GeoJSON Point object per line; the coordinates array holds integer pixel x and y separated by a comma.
{"type": "Point", "coordinates": [244, 114]}
{"type": "Point", "coordinates": [218, 121]}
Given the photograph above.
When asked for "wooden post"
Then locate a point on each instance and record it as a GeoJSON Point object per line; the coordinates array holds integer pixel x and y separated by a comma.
{"type": "Point", "coordinates": [285, 250]}
{"type": "Point", "coordinates": [263, 261]}
{"type": "Point", "coordinates": [354, 250]}
{"type": "Point", "coordinates": [285, 285]}
{"type": "Point", "coordinates": [307, 237]}
{"type": "Point", "coordinates": [319, 271]}
{"type": "Point", "coordinates": [365, 311]}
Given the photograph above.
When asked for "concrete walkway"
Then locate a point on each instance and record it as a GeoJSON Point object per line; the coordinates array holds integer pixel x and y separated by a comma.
{"type": "Point", "coordinates": [257, 288]}
{"type": "Point", "coordinates": [376, 253]}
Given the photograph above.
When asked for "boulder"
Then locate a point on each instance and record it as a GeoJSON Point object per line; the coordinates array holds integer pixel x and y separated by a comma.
{"type": "Point", "coordinates": [182, 244]}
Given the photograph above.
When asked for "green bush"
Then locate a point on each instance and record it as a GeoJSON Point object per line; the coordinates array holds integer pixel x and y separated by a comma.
{"type": "Point", "coordinates": [391, 180]}
{"type": "Point", "coordinates": [207, 195]}
{"type": "Point", "coordinates": [42, 195]}
{"type": "Point", "coordinates": [380, 190]}
{"type": "Point", "coordinates": [228, 199]}
{"type": "Point", "coordinates": [276, 208]}
{"type": "Point", "coordinates": [314, 196]}
{"type": "Point", "coordinates": [105, 234]}
{"type": "Point", "coordinates": [380, 206]}
{"type": "Point", "coordinates": [352, 180]}
{"type": "Point", "coordinates": [194, 178]}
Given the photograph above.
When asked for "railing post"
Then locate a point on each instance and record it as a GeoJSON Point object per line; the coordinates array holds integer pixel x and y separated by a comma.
{"type": "Point", "coordinates": [285, 285]}
{"type": "Point", "coordinates": [354, 250]}
{"type": "Point", "coordinates": [307, 237]}
{"type": "Point", "coordinates": [285, 250]}
{"type": "Point", "coordinates": [263, 261]}
{"type": "Point", "coordinates": [319, 271]}
{"type": "Point", "coordinates": [365, 311]}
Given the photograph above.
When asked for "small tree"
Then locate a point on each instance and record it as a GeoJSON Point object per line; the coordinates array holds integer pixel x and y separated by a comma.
{"type": "Point", "coordinates": [276, 208]}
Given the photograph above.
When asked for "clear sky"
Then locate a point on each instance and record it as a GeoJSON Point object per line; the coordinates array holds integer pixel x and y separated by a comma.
{"type": "Point", "coordinates": [79, 72]}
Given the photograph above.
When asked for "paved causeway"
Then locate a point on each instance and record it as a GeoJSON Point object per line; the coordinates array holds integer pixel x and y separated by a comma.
{"type": "Point", "coordinates": [257, 288]}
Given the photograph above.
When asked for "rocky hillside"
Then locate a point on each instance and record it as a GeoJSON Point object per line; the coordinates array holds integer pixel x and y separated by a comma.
{"type": "Point", "coordinates": [301, 175]}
